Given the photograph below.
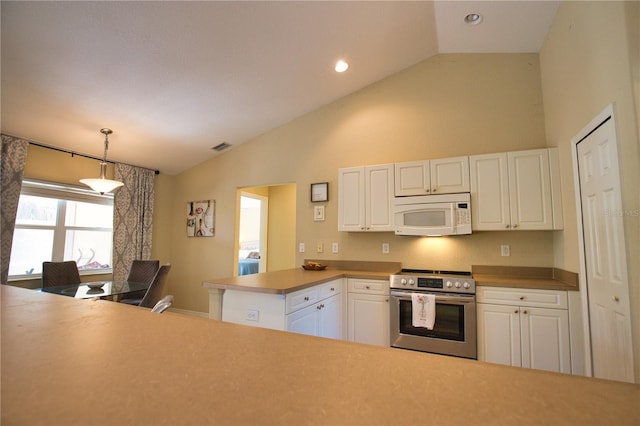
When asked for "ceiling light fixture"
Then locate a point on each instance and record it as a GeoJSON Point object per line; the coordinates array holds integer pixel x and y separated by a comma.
{"type": "Point", "coordinates": [102, 184]}
{"type": "Point", "coordinates": [473, 19]}
{"type": "Point", "coordinates": [341, 66]}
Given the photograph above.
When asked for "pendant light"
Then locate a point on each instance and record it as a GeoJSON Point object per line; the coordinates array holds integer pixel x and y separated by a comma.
{"type": "Point", "coordinates": [102, 184]}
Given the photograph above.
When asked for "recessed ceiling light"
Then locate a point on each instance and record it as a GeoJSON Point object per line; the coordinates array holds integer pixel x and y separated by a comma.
{"type": "Point", "coordinates": [341, 66]}
{"type": "Point", "coordinates": [473, 19]}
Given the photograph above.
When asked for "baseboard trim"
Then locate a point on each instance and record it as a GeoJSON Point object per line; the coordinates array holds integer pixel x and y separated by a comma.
{"type": "Point", "coordinates": [188, 312]}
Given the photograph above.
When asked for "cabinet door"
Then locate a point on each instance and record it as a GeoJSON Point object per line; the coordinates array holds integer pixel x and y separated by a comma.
{"type": "Point", "coordinates": [489, 192]}
{"type": "Point", "coordinates": [351, 206]}
{"type": "Point", "coordinates": [530, 189]}
{"type": "Point", "coordinates": [499, 334]}
{"type": "Point", "coordinates": [450, 175]}
{"type": "Point", "coordinates": [545, 339]}
{"type": "Point", "coordinates": [304, 321]}
{"type": "Point", "coordinates": [412, 178]}
{"type": "Point", "coordinates": [368, 319]}
{"type": "Point", "coordinates": [330, 318]}
{"type": "Point", "coordinates": [379, 198]}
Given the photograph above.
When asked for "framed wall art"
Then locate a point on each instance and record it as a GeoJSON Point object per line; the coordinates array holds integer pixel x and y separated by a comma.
{"type": "Point", "coordinates": [201, 218]}
{"type": "Point", "coordinates": [319, 192]}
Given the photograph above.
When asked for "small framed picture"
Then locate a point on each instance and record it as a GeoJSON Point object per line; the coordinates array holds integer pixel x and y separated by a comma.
{"type": "Point", "coordinates": [319, 192]}
{"type": "Point", "coordinates": [201, 218]}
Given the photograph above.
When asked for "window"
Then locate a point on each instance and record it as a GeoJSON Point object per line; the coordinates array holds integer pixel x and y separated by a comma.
{"type": "Point", "coordinates": [56, 223]}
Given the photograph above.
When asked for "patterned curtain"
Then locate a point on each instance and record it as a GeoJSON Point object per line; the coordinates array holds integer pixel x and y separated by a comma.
{"type": "Point", "coordinates": [12, 160]}
{"type": "Point", "coordinates": [132, 218]}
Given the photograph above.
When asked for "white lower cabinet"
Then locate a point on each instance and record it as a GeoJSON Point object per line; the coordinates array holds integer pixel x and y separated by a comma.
{"type": "Point", "coordinates": [368, 311]}
{"type": "Point", "coordinates": [321, 319]}
{"type": "Point", "coordinates": [316, 311]}
{"type": "Point", "coordinates": [524, 328]}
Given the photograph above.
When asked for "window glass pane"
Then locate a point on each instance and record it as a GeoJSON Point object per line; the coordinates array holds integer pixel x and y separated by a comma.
{"type": "Point", "coordinates": [30, 248]}
{"type": "Point", "coordinates": [89, 215]}
{"type": "Point", "coordinates": [90, 249]}
{"type": "Point", "coordinates": [36, 211]}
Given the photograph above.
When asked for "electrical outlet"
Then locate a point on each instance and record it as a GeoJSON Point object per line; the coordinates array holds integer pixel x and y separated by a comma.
{"type": "Point", "coordinates": [320, 248]}
{"type": "Point", "coordinates": [301, 247]}
{"type": "Point", "coordinates": [385, 248]}
{"type": "Point", "coordinates": [505, 250]}
{"type": "Point", "coordinates": [252, 315]}
{"type": "Point", "coordinates": [334, 247]}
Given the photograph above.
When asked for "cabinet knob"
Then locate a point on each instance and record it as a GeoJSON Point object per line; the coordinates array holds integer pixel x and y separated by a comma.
{"type": "Point", "coordinates": [306, 298]}
{"type": "Point", "coordinates": [428, 190]}
{"type": "Point", "coordinates": [515, 226]}
{"type": "Point", "coordinates": [367, 287]}
{"type": "Point", "coordinates": [521, 297]}
{"type": "Point", "coordinates": [318, 307]}
{"type": "Point", "coordinates": [386, 300]}
{"type": "Point", "coordinates": [615, 299]}
{"type": "Point", "coordinates": [332, 289]}
{"type": "Point", "coordinates": [508, 226]}
{"type": "Point", "coordinates": [525, 312]}
{"type": "Point", "coordinates": [434, 190]}
{"type": "Point", "coordinates": [515, 312]}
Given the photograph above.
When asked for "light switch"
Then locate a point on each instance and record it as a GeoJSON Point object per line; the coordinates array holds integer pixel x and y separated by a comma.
{"type": "Point", "coordinates": [385, 248]}
{"type": "Point", "coordinates": [320, 247]}
{"type": "Point", "coordinates": [334, 247]}
{"type": "Point", "coordinates": [505, 250]}
{"type": "Point", "coordinates": [301, 247]}
{"type": "Point", "coordinates": [318, 213]}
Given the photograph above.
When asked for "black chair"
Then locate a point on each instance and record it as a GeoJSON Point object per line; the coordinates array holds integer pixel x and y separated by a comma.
{"type": "Point", "coordinates": [60, 273]}
{"type": "Point", "coordinates": [141, 271]}
{"type": "Point", "coordinates": [154, 292]}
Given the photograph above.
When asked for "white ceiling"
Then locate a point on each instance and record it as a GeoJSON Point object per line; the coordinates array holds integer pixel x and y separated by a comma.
{"type": "Point", "coordinates": [173, 79]}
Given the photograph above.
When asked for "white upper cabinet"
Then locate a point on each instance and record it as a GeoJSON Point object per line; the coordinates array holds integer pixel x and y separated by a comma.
{"type": "Point", "coordinates": [365, 198]}
{"type": "Point", "coordinates": [442, 176]}
{"type": "Point", "coordinates": [515, 190]}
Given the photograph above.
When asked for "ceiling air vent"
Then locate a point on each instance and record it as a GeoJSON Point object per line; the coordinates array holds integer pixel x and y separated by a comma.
{"type": "Point", "coordinates": [221, 147]}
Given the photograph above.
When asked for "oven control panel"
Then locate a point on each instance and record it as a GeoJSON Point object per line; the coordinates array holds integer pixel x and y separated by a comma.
{"type": "Point", "coordinates": [452, 284]}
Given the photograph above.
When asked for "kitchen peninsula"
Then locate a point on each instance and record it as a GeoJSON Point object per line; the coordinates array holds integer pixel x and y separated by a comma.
{"type": "Point", "coordinates": [291, 280]}
{"type": "Point", "coordinates": [68, 361]}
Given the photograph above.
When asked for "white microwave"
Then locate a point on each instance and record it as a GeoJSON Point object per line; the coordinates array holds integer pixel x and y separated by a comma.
{"type": "Point", "coordinates": [433, 215]}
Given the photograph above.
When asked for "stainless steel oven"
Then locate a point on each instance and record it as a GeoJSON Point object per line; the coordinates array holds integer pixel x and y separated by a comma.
{"type": "Point", "coordinates": [454, 330]}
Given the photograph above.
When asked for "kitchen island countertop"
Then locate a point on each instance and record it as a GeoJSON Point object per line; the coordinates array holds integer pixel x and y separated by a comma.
{"type": "Point", "coordinates": [290, 280]}
{"type": "Point", "coordinates": [68, 361]}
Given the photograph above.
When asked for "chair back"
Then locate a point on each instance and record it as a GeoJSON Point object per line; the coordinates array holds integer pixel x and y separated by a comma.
{"type": "Point", "coordinates": [143, 271]}
{"type": "Point", "coordinates": [60, 273]}
{"type": "Point", "coordinates": [154, 293]}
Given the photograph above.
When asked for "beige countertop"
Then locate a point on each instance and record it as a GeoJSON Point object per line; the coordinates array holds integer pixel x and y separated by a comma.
{"type": "Point", "coordinates": [289, 280]}
{"type": "Point", "coordinates": [525, 277]}
{"type": "Point", "coordinates": [81, 362]}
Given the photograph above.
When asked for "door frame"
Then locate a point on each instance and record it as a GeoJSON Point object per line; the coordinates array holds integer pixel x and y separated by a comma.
{"type": "Point", "coordinates": [607, 114]}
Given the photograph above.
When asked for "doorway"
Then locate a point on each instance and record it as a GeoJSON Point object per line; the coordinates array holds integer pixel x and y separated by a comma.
{"type": "Point", "coordinates": [603, 250]}
{"type": "Point", "coordinates": [252, 234]}
{"type": "Point", "coordinates": [265, 228]}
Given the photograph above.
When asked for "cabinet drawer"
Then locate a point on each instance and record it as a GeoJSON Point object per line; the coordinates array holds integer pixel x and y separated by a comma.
{"type": "Point", "coordinates": [301, 298]}
{"type": "Point", "coordinates": [522, 297]}
{"type": "Point", "coordinates": [357, 285]}
{"type": "Point", "coordinates": [329, 289]}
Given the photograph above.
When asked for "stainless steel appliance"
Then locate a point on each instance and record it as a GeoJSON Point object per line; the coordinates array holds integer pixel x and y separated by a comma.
{"type": "Point", "coordinates": [431, 215]}
{"type": "Point", "coordinates": [454, 331]}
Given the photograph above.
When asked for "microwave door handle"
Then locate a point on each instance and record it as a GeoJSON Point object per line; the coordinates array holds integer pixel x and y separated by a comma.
{"type": "Point", "coordinates": [452, 212]}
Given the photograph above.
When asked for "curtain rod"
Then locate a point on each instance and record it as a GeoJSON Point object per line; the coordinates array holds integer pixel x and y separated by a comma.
{"type": "Point", "coordinates": [73, 153]}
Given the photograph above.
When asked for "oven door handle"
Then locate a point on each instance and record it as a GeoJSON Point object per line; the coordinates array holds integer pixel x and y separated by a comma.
{"type": "Point", "coordinates": [460, 298]}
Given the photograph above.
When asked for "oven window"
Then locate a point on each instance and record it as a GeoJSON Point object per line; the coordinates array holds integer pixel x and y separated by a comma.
{"type": "Point", "coordinates": [449, 322]}
{"type": "Point", "coordinates": [426, 218]}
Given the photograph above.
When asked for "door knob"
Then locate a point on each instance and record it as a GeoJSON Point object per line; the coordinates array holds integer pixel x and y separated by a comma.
{"type": "Point", "coordinates": [615, 299]}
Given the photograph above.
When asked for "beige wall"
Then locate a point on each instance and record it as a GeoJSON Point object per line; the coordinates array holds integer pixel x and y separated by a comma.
{"type": "Point", "coordinates": [590, 60]}
{"type": "Point", "coordinates": [446, 106]}
{"type": "Point", "coordinates": [281, 229]}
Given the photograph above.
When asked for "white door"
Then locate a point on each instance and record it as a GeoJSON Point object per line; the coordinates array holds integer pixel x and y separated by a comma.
{"type": "Point", "coordinates": [499, 334]}
{"type": "Point", "coordinates": [604, 254]}
{"type": "Point", "coordinates": [368, 319]}
{"type": "Point", "coordinates": [330, 318]}
{"type": "Point", "coordinates": [545, 339]}
{"type": "Point", "coordinates": [379, 198]}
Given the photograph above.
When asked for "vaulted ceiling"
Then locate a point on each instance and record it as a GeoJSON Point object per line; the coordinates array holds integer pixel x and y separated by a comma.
{"type": "Point", "coordinates": [173, 79]}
